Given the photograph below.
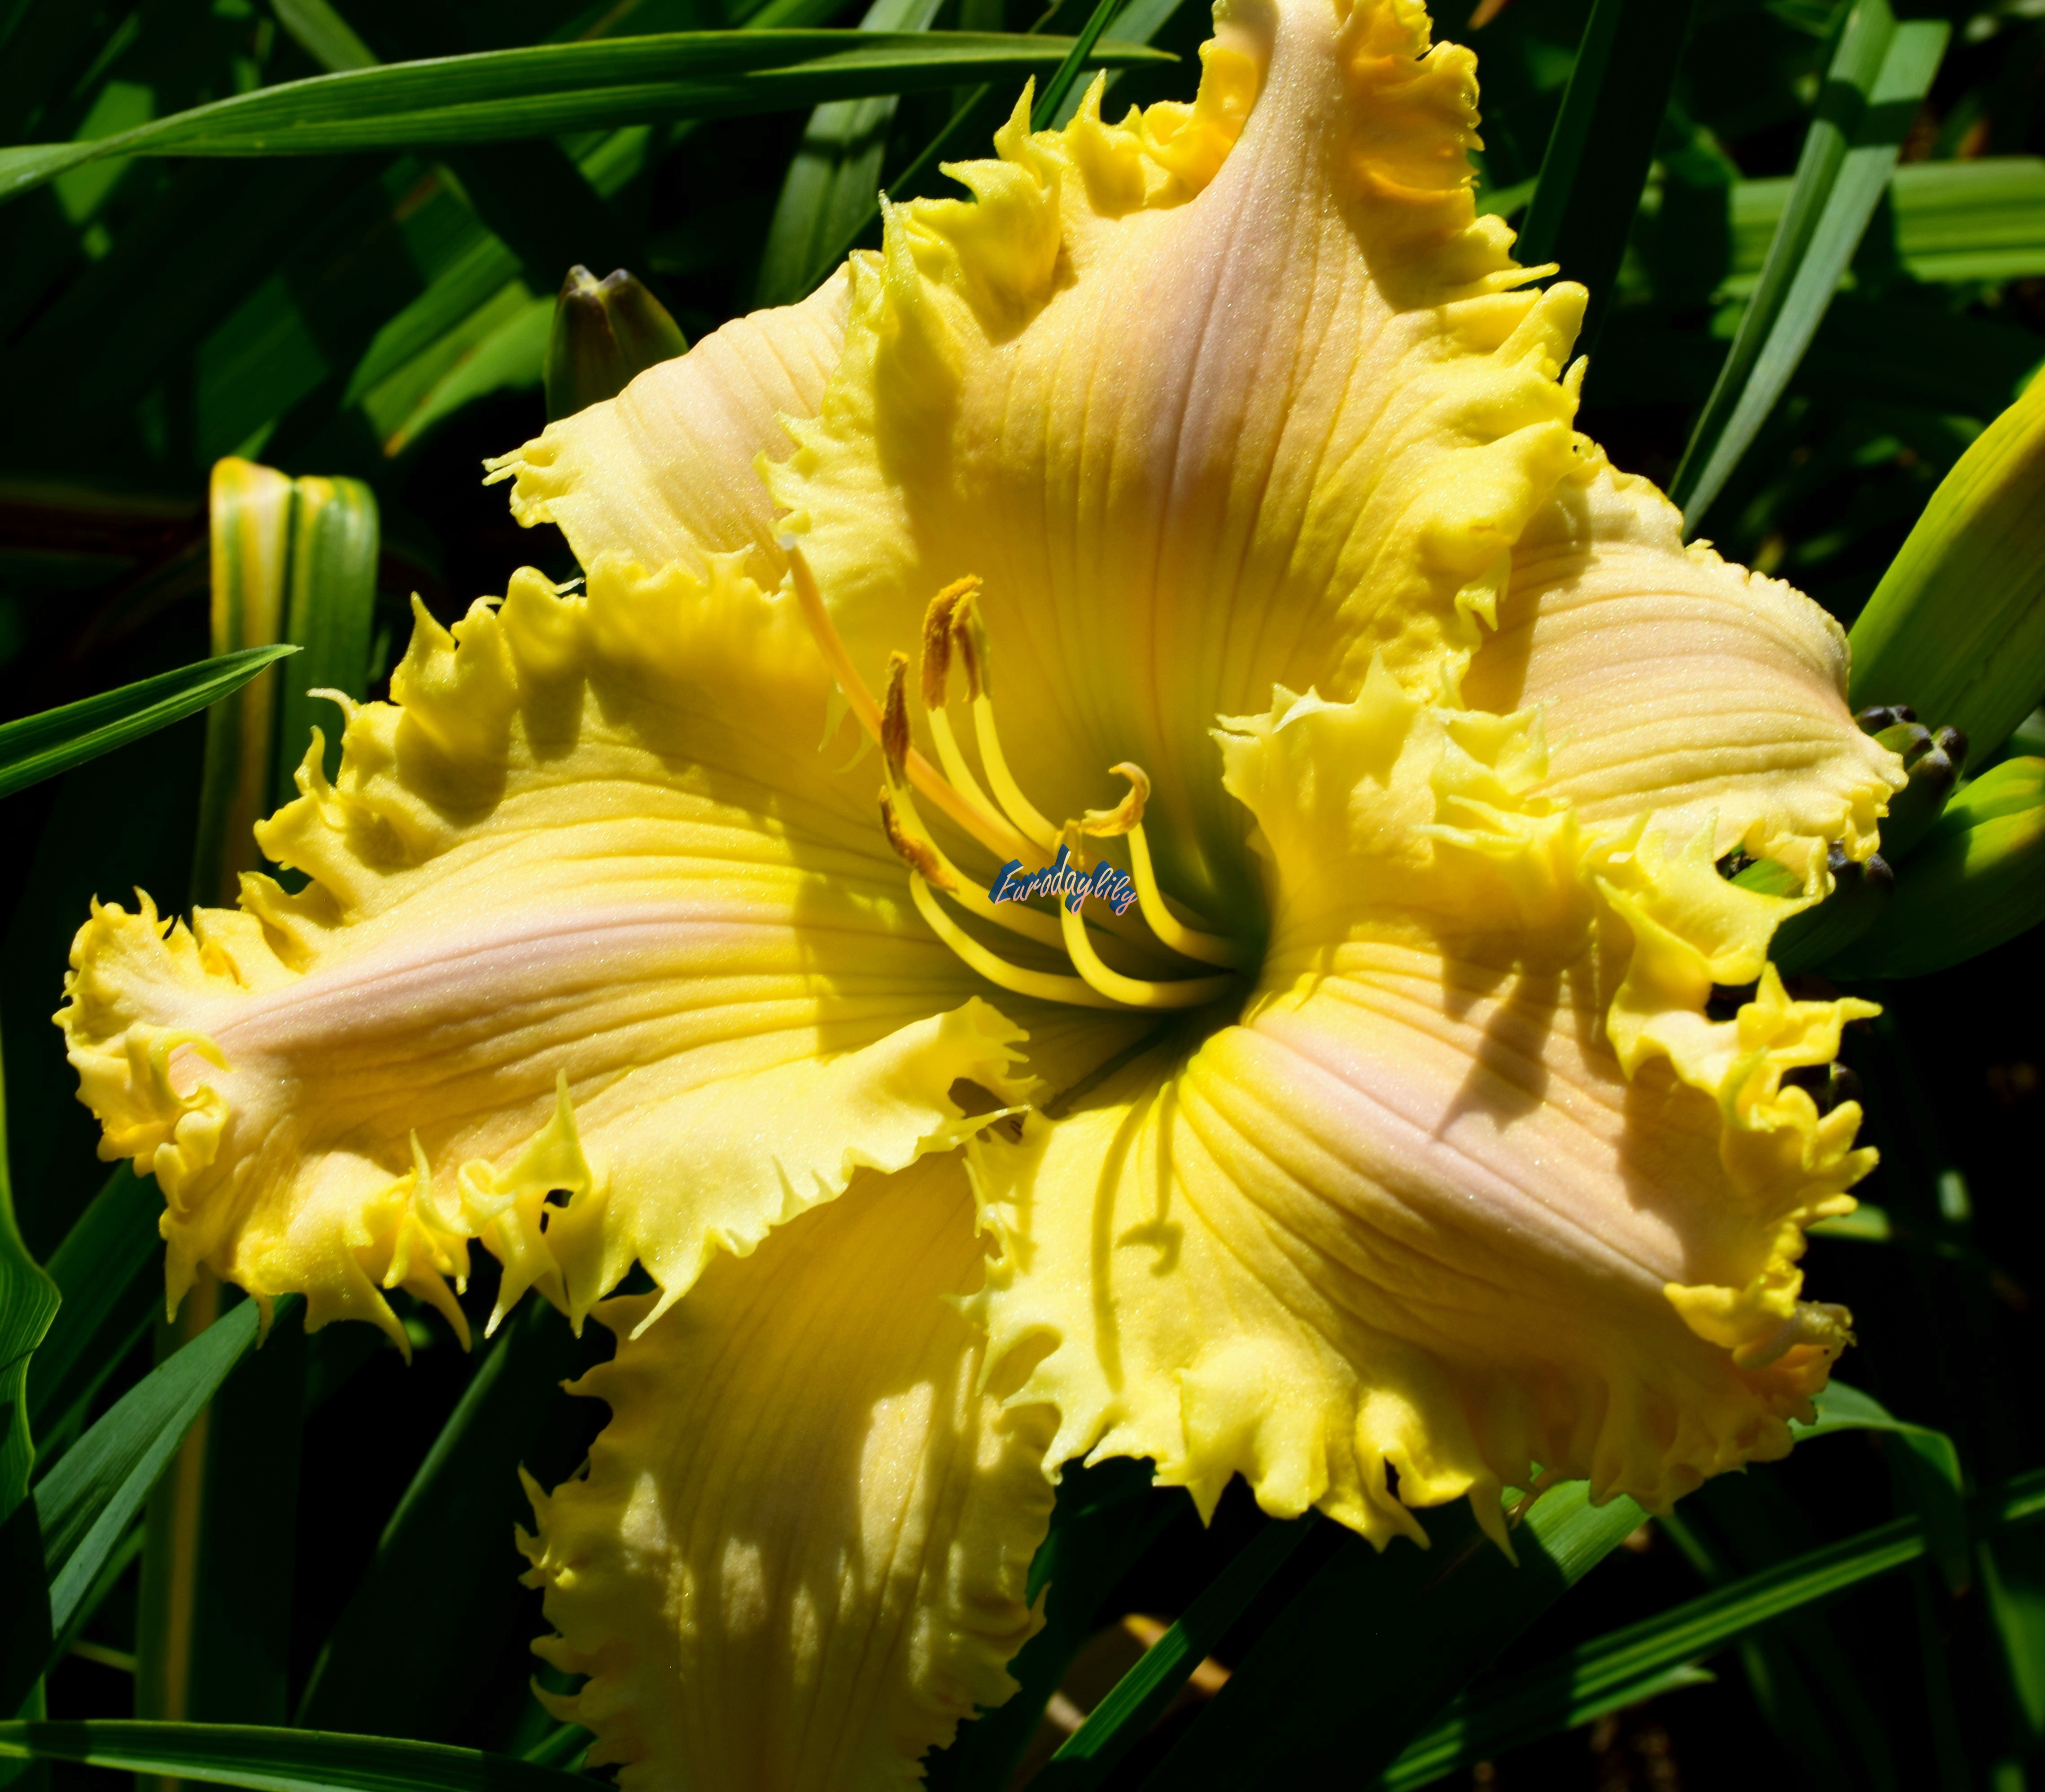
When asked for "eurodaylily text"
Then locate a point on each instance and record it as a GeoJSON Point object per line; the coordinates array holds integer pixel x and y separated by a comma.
{"type": "Point", "coordinates": [1065, 881]}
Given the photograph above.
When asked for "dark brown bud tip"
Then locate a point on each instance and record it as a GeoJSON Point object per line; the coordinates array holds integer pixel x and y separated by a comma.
{"type": "Point", "coordinates": [606, 333]}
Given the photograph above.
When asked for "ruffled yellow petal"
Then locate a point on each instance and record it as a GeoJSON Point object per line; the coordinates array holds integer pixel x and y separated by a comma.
{"type": "Point", "coordinates": [799, 1556]}
{"type": "Point", "coordinates": [1474, 1189]}
{"type": "Point", "coordinates": [589, 915]}
{"type": "Point", "coordinates": [1201, 422]}
{"type": "Point", "coordinates": [665, 471]}
{"type": "Point", "coordinates": [1674, 686]}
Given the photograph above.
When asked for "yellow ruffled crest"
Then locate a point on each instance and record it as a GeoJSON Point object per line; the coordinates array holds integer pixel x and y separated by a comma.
{"type": "Point", "coordinates": [587, 916]}
{"type": "Point", "coordinates": [799, 1557]}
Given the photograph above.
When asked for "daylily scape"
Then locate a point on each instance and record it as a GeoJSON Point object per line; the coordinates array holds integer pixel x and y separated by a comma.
{"type": "Point", "coordinates": [1199, 499]}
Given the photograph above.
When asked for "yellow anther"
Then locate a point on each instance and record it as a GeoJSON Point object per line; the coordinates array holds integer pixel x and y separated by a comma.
{"type": "Point", "coordinates": [895, 717]}
{"type": "Point", "coordinates": [969, 641]}
{"type": "Point", "coordinates": [1128, 813]}
{"type": "Point", "coordinates": [936, 664]}
{"type": "Point", "coordinates": [1045, 986]}
{"type": "Point", "coordinates": [919, 856]}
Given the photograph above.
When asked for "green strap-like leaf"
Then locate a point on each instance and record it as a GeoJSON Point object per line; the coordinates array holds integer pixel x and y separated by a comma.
{"type": "Point", "coordinates": [1374, 1645]}
{"type": "Point", "coordinates": [1482, 1729]}
{"type": "Point", "coordinates": [249, 512]}
{"type": "Point", "coordinates": [545, 89]}
{"type": "Point", "coordinates": [828, 190]}
{"type": "Point", "coordinates": [29, 1300]}
{"type": "Point", "coordinates": [329, 604]}
{"type": "Point", "coordinates": [87, 1501]}
{"type": "Point", "coordinates": [1138, 1698]}
{"type": "Point", "coordinates": [1956, 629]}
{"type": "Point", "coordinates": [1604, 140]}
{"type": "Point", "coordinates": [110, 1245]}
{"type": "Point", "coordinates": [1933, 1473]}
{"type": "Point", "coordinates": [447, 1546]}
{"type": "Point", "coordinates": [1877, 79]}
{"type": "Point", "coordinates": [1051, 101]}
{"type": "Point", "coordinates": [1980, 220]}
{"type": "Point", "coordinates": [280, 1760]}
{"type": "Point", "coordinates": [1621, 1668]}
{"type": "Point", "coordinates": [41, 746]}
{"type": "Point", "coordinates": [1977, 880]}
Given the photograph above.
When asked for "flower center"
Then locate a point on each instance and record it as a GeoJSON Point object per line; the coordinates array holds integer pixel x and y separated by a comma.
{"type": "Point", "coordinates": [1009, 825]}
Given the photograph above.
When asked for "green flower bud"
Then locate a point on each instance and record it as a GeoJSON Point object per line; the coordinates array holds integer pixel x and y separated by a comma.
{"type": "Point", "coordinates": [1861, 892]}
{"type": "Point", "coordinates": [1956, 628]}
{"type": "Point", "coordinates": [1934, 764]}
{"type": "Point", "coordinates": [1977, 879]}
{"type": "Point", "coordinates": [606, 332]}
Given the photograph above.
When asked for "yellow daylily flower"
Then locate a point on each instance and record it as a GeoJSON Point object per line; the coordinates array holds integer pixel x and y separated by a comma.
{"type": "Point", "coordinates": [1195, 512]}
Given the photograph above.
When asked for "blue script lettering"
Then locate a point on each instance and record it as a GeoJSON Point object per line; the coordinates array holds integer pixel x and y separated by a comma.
{"type": "Point", "coordinates": [1065, 881]}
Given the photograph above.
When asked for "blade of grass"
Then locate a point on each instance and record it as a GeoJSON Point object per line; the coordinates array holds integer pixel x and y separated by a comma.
{"type": "Point", "coordinates": [448, 1545]}
{"type": "Point", "coordinates": [251, 521]}
{"type": "Point", "coordinates": [29, 1302]}
{"type": "Point", "coordinates": [280, 1760]}
{"type": "Point", "coordinates": [1139, 1697]}
{"type": "Point", "coordinates": [41, 746]}
{"type": "Point", "coordinates": [1106, 1517]}
{"type": "Point", "coordinates": [1374, 1645]}
{"type": "Point", "coordinates": [1598, 154]}
{"type": "Point", "coordinates": [88, 1499]}
{"type": "Point", "coordinates": [1473, 1732]}
{"type": "Point", "coordinates": [107, 1249]}
{"type": "Point", "coordinates": [834, 173]}
{"type": "Point", "coordinates": [1619, 1668]}
{"type": "Point", "coordinates": [971, 120]}
{"type": "Point", "coordinates": [1051, 101]}
{"type": "Point", "coordinates": [329, 604]}
{"type": "Point", "coordinates": [1877, 79]}
{"type": "Point", "coordinates": [213, 1610]}
{"type": "Point", "coordinates": [544, 90]}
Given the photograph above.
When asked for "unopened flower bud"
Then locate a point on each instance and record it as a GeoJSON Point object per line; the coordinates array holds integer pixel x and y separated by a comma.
{"type": "Point", "coordinates": [1977, 879]}
{"type": "Point", "coordinates": [606, 333]}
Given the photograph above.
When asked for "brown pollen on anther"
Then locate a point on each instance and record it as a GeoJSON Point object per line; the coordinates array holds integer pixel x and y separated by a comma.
{"type": "Point", "coordinates": [916, 854]}
{"type": "Point", "coordinates": [895, 717]}
{"type": "Point", "coordinates": [936, 661]}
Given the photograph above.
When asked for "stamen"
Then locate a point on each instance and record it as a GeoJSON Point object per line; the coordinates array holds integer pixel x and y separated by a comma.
{"type": "Point", "coordinates": [968, 635]}
{"type": "Point", "coordinates": [919, 856]}
{"type": "Point", "coordinates": [936, 670]}
{"type": "Point", "coordinates": [993, 831]}
{"type": "Point", "coordinates": [936, 664]}
{"type": "Point", "coordinates": [1131, 992]}
{"type": "Point", "coordinates": [913, 846]}
{"type": "Point", "coordinates": [1045, 986]}
{"type": "Point", "coordinates": [1016, 806]}
{"type": "Point", "coordinates": [969, 638]}
{"type": "Point", "coordinates": [1126, 817]}
{"type": "Point", "coordinates": [895, 718]}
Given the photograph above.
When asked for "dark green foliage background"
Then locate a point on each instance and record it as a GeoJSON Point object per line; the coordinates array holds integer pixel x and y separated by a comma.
{"type": "Point", "coordinates": [156, 314]}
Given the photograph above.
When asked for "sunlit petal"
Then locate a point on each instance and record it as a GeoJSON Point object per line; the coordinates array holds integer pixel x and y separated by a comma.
{"type": "Point", "coordinates": [798, 1557]}
{"type": "Point", "coordinates": [589, 913]}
